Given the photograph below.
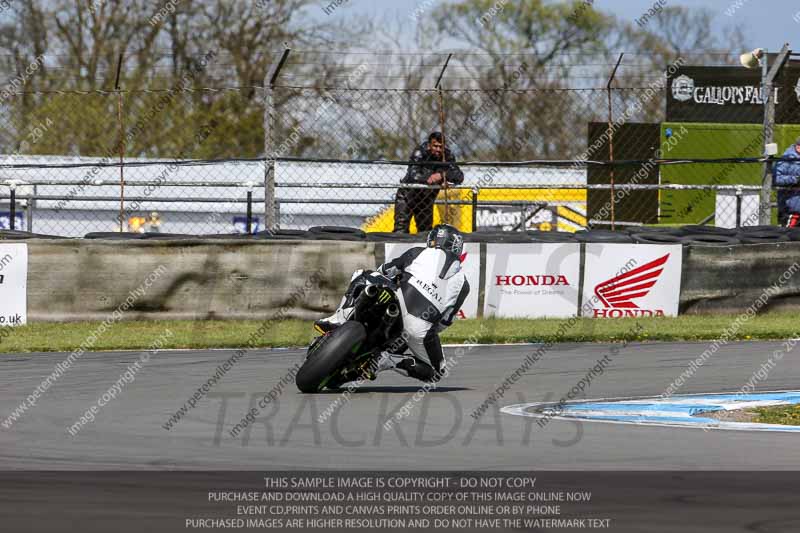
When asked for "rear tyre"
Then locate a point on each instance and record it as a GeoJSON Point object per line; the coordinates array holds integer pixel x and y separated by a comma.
{"type": "Point", "coordinates": [329, 354]}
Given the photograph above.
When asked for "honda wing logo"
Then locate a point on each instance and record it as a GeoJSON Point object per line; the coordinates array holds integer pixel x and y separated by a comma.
{"type": "Point", "coordinates": [618, 294]}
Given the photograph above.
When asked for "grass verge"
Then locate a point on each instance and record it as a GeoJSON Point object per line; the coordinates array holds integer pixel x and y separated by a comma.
{"type": "Point", "coordinates": [233, 334]}
{"type": "Point", "coordinates": [788, 415]}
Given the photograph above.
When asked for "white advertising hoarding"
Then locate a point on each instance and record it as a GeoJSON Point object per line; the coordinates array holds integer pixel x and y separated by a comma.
{"type": "Point", "coordinates": [631, 280]}
{"type": "Point", "coordinates": [471, 267]}
{"type": "Point", "coordinates": [532, 280]}
{"type": "Point", "coordinates": [13, 284]}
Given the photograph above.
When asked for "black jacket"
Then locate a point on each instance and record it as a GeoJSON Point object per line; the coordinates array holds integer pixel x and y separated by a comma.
{"type": "Point", "coordinates": [421, 173]}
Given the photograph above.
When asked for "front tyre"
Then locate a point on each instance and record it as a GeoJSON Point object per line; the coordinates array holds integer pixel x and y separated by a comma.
{"type": "Point", "coordinates": [328, 355]}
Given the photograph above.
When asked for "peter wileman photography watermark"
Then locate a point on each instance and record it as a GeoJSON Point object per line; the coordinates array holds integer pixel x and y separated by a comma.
{"type": "Point", "coordinates": [126, 378]}
{"type": "Point", "coordinates": [298, 295]}
{"type": "Point", "coordinates": [579, 10]}
{"type": "Point", "coordinates": [730, 331]}
{"type": "Point", "coordinates": [143, 121]}
{"type": "Point", "coordinates": [333, 6]}
{"type": "Point", "coordinates": [585, 382]}
{"type": "Point", "coordinates": [88, 344]}
{"type": "Point", "coordinates": [492, 12]}
{"type": "Point", "coordinates": [19, 81]}
{"type": "Point", "coordinates": [653, 11]}
{"type": "Point", "coordinates": [162, 14]}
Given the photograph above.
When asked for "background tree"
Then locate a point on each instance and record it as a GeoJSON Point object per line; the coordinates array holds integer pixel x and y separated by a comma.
{"type": "Point", "coordinates": [81, 42]}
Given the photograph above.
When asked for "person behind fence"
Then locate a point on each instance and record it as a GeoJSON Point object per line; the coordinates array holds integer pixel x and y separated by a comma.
{"type": "Point", "coordinates": [787, 173]}
{"type": "Point", "coordinates": [419, 202]}
{"type": "Point", "coordinates": [432, 290]}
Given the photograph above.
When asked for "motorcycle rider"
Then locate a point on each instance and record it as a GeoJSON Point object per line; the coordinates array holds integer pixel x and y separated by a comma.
{"type": "Point", "coordinates": [432, 290]}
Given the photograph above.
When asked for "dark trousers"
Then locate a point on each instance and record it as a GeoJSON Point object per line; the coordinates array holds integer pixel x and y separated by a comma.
{"type": "Point", "coordinates": [417, 203]}
{"type": "Point", "coordinates": [786, 218]}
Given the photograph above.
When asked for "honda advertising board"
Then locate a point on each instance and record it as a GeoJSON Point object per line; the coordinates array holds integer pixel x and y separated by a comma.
{"type": "Point", "coordinates": [532, 280]}
{"type": "Point", "coordinates": [470, 265]}
{"type": "Point", "coordinates": [13, 284]}
{"type": "Point", "coordinates": [625, 280]}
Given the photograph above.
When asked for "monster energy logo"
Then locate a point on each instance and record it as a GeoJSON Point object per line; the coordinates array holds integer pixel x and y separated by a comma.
{"type": "Point", "coordinates": [384, 296]}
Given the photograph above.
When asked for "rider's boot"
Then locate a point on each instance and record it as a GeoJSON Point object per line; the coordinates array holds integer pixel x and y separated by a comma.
{"type": "Point", "coordinates": [342, 315]}
{"type": "Point", "coordinates": [416, 368]}
{"type": "Point", "coordinates": [404, 365]}
{"type": "Point", "coordinates": [385, 361]}
{"type": "Point", "coordinates": [345, 309]}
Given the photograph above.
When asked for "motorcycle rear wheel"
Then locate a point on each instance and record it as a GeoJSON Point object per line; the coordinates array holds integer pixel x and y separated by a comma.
{"type": "Point", "coordinates": [328, 355]}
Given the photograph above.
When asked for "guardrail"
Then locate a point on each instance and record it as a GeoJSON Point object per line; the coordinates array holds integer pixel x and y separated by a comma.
{"type": "Point", "coordinates": [553, 195]}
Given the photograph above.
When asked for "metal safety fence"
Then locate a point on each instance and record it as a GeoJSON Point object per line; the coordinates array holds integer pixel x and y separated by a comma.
{"type": "Point", "coordinates": [325, 139]}
{"type": "Point", "coordinates": [179, 197]}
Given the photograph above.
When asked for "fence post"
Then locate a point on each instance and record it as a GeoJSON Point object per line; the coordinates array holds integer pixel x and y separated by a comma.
{"type": "Point", "coordinates": [12, 187]}
{"type": "Point", "coordinates": [768, 79]}
{"type": "Point", "coordinates": [250, 212]}
{"type": "Point", "coordinates": [738, 207]}
{"type": "Point", "coordinates": [121, 126]}
{"type": "Point", "coordinates": [438, 88]}
{"type": "Point", "coordinates": [611, 134]}
{"type": "Point", "coordinates": [270, 213]}
{"type": "Point", "coordinates": [29, 206]}
{"type": "Point", "coordinates": [474, 209]}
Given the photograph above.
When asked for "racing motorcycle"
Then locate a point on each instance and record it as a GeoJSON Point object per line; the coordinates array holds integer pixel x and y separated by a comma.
{"type": "Point", "coordinates": [349, 352]}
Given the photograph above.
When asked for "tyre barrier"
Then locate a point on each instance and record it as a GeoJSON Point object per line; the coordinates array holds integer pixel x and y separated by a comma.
{"type": "Point", "coordinates": [709, 239]}
{"type": "Point", "coordinates": [12, 235]}
{"type": "Point", "coordinates": [498, 236]}
{"type": "Point", "coordinates": [602, 236]}
{"type": "Point", "coordinates": [550, 236]}
{"type": "Point", "coordinates": [656, 238]}
{"type": "Point", "coordinates": [167, 236]}
{"type": "Point", "coordinates": [762, 229]}
{"type": "Point", "coordinates": [279, 235]}
{"type": "Point", "coordinates": [693, 235]}
{"type": "Point", "coordinates": [713, 230]}
{"type": "Point", "coordinates": [336, 233]}
{"type": "Point", "coordinates": [114, 235]}
{"type": "Point", "coordinates": [387, 236]}
{"type": "Point", "coordinates": [344, 230]}
{"type": "Point", "coordinates": [761, 238]}
{"type": "Point", "coordinates": [654, 229]}
{"type": "Point", "coordinates": [244, 277]}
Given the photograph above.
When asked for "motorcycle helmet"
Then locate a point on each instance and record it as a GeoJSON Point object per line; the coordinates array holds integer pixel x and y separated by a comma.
{"type": "Point", "coordinates": [446, 238]}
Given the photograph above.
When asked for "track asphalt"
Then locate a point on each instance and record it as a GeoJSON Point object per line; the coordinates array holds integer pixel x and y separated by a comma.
{"type": "Point", "coordinates": [434, 432]}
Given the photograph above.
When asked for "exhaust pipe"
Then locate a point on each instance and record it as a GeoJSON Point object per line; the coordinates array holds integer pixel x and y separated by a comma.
{"type": "Point", "coordinates": [390, 318]}
{"type": "Point", "coordinates": [392, 311]}
{"type": "Point", "coordinates": [364, 300]}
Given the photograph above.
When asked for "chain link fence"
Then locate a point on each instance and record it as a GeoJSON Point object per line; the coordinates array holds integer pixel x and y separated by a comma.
{"type": "Point", "coordinates": [326, 141]}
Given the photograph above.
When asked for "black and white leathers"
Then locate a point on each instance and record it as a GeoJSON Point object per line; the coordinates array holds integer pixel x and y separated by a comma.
{"type": "Point", "coordinates": [433, 288]}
